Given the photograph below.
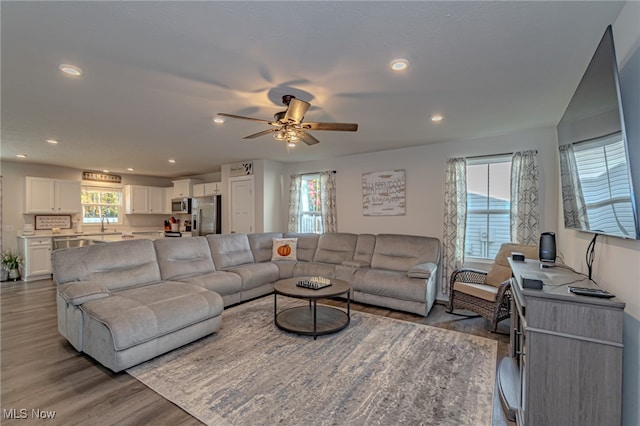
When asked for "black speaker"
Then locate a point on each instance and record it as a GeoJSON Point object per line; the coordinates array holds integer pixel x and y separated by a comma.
{"type": "Point", "coordinates": [547, 247]}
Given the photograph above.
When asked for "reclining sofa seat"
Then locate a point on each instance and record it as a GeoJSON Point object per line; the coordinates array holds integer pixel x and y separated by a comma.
{"type": "Point", "coordinates": [232, 253]}
{"type": "Point", "coordinates": [402, 274]}
{"type": "Point", "coordinates": [113, 305]}
{"type": "Point", "coordinates": [189, 260]}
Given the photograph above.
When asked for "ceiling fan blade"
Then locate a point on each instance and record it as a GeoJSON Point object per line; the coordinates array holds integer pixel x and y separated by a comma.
{"type": "Point", "coordinates": [262, 133]}
{"type": "Point", "coordinates": [309, 140]}
{"type": "Point", "coordinates": [341, 127]}
{"type": "Point", "coordinates": [295, 112]}
{"type": "Point", "coordinates": [241, 117]}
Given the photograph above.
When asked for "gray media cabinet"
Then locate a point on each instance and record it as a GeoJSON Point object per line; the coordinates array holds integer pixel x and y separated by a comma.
{"type": "Point", "coordinates": [565, 361]}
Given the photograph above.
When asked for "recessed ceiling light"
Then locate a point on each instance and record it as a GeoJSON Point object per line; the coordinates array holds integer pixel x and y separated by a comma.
{"type": "Point", "coordinates": [436, 118]}
{"type": "Point", "coordinates": [52, 141]}
{"type": "Point", "coordinates": [172, 161]}
{"type": "Point", "coordinates": [71, 70]}
{"type": "Point", "coordinates": [105, 171]}
{"type": "Point", "coordinates": [130, 169]}
{"type": "Point", "coordinates": [399, 64]}
{"type": "Point", "coordinates": [21, 155]}
{"type": "Point", "coordinates": [218, 120]}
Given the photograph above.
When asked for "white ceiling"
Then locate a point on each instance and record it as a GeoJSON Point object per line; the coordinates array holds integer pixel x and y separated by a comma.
{"type": "Point", "coordinates": [156, 73]}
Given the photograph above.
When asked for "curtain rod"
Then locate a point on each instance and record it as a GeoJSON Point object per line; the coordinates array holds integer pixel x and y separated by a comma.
{"type": "Point", "coordinates": [475, 157]}
{"type": "Point", "coordinates": [504, 154]}
{"type": "Point", "coordinates": [315, 173]}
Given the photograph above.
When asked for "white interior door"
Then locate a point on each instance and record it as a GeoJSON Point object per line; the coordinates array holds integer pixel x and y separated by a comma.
{"type": "Point", "coordinates": [242, 205]}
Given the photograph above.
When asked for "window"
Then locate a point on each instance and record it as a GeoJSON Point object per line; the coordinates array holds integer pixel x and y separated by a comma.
{"type": "Point", "coordinates": [604, 177]}
{"type": "Point", "coordinates": [310, 212]}
{"type": "Point", "coordinates": [100, 201]}
{"type": "Point", "coordinates": [488, 204]}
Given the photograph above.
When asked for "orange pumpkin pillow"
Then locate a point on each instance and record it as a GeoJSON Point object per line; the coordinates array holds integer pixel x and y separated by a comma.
{"type": "Point", "coordinates": [284, 249]}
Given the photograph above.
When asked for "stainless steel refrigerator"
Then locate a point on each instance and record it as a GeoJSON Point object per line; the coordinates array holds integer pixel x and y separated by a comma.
{"type": "Point", "coordinates": [206, 216]}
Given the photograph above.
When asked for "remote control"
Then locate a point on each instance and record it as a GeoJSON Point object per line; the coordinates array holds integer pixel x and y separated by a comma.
{"type": "Point", "coordinates": [594, 292]}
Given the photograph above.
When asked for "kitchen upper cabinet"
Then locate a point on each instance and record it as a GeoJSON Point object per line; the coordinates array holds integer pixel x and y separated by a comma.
{"type": "Point", "coordinates": [212, 188]}
{"type": "Point", "coordinates": [168, 196]}
{"type": "Point", "coordinates": [44, 195]}
{"type": "Point", "coordinates": [136, 199]}
{"type": "Point", "coordinates": [198, 190]}
{"type": "Point", "coordinates": [183, 188]}
{"type": "Point", "coordinates": [156, 200]}
{"type": "Point", "coordinates": [144, 200]}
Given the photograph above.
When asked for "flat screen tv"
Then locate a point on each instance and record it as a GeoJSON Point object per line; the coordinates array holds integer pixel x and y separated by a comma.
{"type": "Point", "coordinates": [595, 168]}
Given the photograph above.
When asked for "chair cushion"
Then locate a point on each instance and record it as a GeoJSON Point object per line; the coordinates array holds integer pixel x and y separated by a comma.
{"type": "Point", "coordinates": [500, 271]}
{"type": "Point", "coordinates": [480, 291]}
{"type": "Point", "coordinates": [261, 245]}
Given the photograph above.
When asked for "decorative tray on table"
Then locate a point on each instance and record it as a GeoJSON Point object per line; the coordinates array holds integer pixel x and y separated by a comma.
{"type": "Point", "coordinates": [314, 283]}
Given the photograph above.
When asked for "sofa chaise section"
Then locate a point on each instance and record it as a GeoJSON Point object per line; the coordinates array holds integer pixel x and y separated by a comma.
{"type": "Point", "coordinates": [113, 305]}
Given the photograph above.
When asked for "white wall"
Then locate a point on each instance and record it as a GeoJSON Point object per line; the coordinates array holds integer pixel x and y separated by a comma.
{"type": "Point", "coordinates": [13, 191]}
{"type": "Point", "coordinates": [425, 174]}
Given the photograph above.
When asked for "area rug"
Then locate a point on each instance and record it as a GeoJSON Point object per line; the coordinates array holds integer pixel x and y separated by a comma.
{"type": "Point", "coordinates": [377, 371]}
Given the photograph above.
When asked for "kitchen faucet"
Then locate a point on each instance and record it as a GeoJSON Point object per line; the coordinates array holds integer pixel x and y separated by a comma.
{"type": "Point", "coordinates": [102, 220]}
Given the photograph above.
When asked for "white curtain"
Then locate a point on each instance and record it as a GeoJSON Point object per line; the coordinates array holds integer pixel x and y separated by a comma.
{"type": "Point", "coordinates": [328, 202]}
{"type": "Point", "coordinates": [575, 210]}
{"type": "Point", "coordinates": [525, 211]}
{"type": "Point", "coordinates": [455, 218]}
{"type": "Point", "coordinates": [295, 192]}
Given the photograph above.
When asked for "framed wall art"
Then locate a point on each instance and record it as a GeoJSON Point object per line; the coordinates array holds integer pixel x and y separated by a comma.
{"type": "Point", "coordinates": [384, 193]}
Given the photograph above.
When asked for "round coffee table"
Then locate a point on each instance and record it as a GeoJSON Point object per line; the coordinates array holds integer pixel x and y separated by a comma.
{"type": "Point", "coordinates": [312, 320]}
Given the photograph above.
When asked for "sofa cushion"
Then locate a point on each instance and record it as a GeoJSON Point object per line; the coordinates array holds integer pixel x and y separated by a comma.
{"type": "Point", "coordinates": [284, 249]}
{"type": "Point", "coordinates": [142, 314]}
{"type": "Point", "coordinates": [314, 269]}
{"type": "Point", "coordinates": [230, 250]}
{"type": "Point", "coordinates": [307, 244]}
{"type": "Point", "coordinates": [113, 265]}
{"type": "Point", "coordinates": [179, 257]}
{"type": "Point", "coordinates": [335, 247]}
{"type": "Point", "coordinates": [261, 245]}
{"type": "Point", "coordinates": [394, 284]}
{"type": "Point", "coordinates": [364, 249]}
{"type": "Point", "coordinates": [223, 283]}
{"type": "Point", "coordinates": [256, 275]}
{"type": "Point", "coordinates": [402, 252]}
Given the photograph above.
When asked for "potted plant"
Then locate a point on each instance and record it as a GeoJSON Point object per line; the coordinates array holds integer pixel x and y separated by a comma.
{"type": "Point", "coordinates": [12, 262]}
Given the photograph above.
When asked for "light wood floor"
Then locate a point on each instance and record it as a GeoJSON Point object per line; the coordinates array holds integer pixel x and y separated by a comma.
{"type": "Point", "coordinates": [41, 371]}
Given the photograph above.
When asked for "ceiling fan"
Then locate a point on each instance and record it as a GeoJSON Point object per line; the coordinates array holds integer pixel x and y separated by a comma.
{"type": "Point", "coordinates": [288, 125]}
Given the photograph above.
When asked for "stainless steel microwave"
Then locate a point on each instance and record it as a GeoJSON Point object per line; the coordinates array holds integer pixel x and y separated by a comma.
{"type": "Point", "coordinates": [181, 205]}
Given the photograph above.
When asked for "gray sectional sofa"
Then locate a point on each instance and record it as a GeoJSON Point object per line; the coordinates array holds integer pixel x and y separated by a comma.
{"type": "Point", "coordinates": [126, 302]}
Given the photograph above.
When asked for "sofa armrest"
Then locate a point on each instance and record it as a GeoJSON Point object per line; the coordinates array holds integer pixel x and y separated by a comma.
{"type": "Point", "coordinates": [355, 263]}
{"type": "Point", "coordinates": [422, 270]}
{"type": "Point", "coordinates": [77, 293]}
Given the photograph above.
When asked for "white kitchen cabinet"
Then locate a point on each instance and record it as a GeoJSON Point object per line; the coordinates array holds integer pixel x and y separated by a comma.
{"type": "Point", "coordinates": [183, 188]}
{"type": "Point", "coordinates": [136, 199]}
{"type": "Point", "coordinates": [212, 188]}
{"type": "Point", "coordinates": [44, 195]}
{"type": "Point", "coordinates": [156, 200]}
{"type": "Point", "coordinates": [36, 253]}
{"type": "Point", "coordinates": [168, 196]}
{"type": "Point", "coordinates": [198, 190]}
{"type": "Point", "coordinates": [144, 200]}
